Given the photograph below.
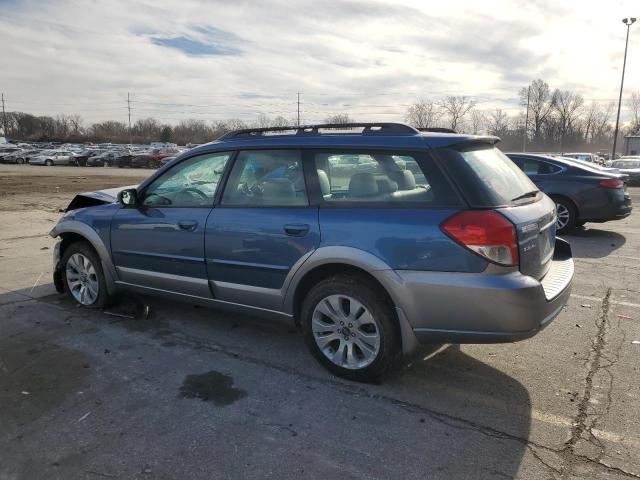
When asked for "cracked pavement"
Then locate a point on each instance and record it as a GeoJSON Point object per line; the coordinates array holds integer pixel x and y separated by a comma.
{"type": "Point", "coordinates": [198, 393]}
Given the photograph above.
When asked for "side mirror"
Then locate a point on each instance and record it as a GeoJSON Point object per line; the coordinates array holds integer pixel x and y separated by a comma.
{"type": "Point", "coordinates": [128, 197]}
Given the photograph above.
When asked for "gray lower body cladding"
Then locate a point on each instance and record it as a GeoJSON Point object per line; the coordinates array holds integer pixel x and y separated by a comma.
{"type": "Point", "coordinates": [444, 307]}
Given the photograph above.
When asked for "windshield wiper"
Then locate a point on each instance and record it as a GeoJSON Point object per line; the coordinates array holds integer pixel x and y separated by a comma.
{"type": "Point", "coordinates": [532, 193]}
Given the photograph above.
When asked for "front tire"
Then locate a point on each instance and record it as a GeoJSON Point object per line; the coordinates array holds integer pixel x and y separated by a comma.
{"type": "Point", "coordinates": [83, 276]}
{"type": "Point", "coordinates": [567, 215]}
{"type": "Point", "coordinates": [350, 328]}
{"type": "Point", "coordinates": [48, 163]}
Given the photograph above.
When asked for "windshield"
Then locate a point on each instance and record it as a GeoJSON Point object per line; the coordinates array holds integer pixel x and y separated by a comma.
{"type": "Point", "coordinates": [488, 178]}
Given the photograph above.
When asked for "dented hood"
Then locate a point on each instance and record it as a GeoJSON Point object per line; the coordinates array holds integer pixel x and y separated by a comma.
{"type": "Point", "coordinates": [99, 197]}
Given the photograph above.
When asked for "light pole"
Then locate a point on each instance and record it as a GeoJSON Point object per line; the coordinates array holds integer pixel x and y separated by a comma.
{"type": "Point", "coordinates": [628, 22]}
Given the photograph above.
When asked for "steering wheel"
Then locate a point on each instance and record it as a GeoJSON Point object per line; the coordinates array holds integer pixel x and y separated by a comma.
{"type": "Point", "coordinates": [196, 192]}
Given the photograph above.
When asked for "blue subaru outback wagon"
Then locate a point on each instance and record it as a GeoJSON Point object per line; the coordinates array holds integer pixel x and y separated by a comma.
{"type": "Point", "coordinates": [373, 237]}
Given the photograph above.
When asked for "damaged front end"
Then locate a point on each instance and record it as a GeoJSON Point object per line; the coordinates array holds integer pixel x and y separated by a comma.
{"type": "Point", "coordinates": [82, 223]}
{"type": "Point", "coordinates": [99, 197]}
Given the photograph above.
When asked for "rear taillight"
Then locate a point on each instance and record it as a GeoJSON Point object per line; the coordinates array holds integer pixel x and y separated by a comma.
{"type": "Point", "coordinates": [486, 233]}
{"type": "Point", "coordinates": [611, 183]}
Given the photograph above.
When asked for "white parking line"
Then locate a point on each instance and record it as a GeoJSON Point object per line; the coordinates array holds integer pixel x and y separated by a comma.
{"type": "Point", "coordinates": [613, 302]}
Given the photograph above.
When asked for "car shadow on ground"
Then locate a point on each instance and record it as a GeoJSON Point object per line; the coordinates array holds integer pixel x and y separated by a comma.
{"type": "Point", "coordinates": [593, 242]}
{"type": "Point", "coordinates": [447, 410]}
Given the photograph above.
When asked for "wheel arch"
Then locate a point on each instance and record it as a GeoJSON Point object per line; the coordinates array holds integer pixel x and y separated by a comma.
{"type": "Point", "coordinates": [330, 261]}
{"type": "Point", "coordinates": [566, 198]}
{"type": "Point", "coordinates": [563, 196]}
{"type": "Point", "coordinates": [74, 231]}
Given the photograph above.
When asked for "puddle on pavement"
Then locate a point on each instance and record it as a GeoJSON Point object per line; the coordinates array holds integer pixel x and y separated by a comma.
{"type": "Point", "coordinates": [212, 387]}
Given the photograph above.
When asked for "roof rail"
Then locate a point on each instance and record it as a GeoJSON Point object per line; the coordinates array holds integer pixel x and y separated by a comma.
{"type": "Point", "coordinates": [437, 130]}
{"type": "Point", "coordinates": [367, 129]}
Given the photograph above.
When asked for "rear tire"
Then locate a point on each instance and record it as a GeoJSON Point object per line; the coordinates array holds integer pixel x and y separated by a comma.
{"type": "Point", "coordinates": [350, 328]}
{"type": "Point", "coordinates": [20, 161]}
{"type": "Point", "coordinates": [48, 163]}
{"type": "Point", "coordinates": [83, 276]}
{"type": "Point", "coordinates": [567, 215]}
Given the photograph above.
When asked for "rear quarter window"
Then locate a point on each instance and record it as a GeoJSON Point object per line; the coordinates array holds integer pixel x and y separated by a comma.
{"type": "Point", "coordinates": [486, 176]}
{"type": "Point", "coordinates": [382, 177]}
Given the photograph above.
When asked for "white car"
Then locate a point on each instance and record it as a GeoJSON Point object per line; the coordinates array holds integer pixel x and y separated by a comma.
{"type": "Point", "coordinates": [53, 157]}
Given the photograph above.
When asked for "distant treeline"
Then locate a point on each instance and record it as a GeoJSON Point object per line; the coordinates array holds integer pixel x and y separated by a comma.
{"type": "Point", "coordinates": [558, 120]}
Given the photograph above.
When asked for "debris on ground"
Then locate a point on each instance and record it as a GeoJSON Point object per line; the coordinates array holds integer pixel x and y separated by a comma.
{"type": "Point", "coordinates": [131, 308]}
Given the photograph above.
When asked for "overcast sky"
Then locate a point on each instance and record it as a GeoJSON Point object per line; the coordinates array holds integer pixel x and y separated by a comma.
{"type": "Point", "coordinates": [236, 58]}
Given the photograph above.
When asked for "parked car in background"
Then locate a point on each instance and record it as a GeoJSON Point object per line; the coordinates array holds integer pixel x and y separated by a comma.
{"type": "Point", "coordinates": [370, 261]}
{"type": "Point", "coordinates": [6, 150]}
{"type": "Point", "coordinates": [143, 160]}
{"type": "Point", "coordinates": [29, 154]}
{"type": "Point", "coordinates": [103, 159]}
{"type": "Point", "coordinates": [585, 157]}
{"type": "Point", "coordinates": [166, 160]}
{"type": "Point", "coordinates": [81, 157]}
{"type": "Point", "coordinates": [16, 157]}
{"type": "Point", "coordinates": [582, 193]}
{"type": "Point", "coordinates": [158, 154]}
{"type": "Point", "coordinates": [53, 157]}
{"type": "Point", "coordinates": [629, 166]}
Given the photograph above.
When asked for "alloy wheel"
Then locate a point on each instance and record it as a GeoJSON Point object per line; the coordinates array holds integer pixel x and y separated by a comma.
{"type": "Point", "coordinates": [82, 279]}
{"type": "Point", "coordinates": [345, 331]}
{"type": "Point", "coordinates": [563, 216]}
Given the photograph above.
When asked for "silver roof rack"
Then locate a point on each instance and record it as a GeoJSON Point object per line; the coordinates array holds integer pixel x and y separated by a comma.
{"type": "Point", "coordinates": [334, 129]}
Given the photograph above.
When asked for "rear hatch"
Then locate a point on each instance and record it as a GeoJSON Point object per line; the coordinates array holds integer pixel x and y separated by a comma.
{"type": "Point", "coordinates": [490, 180]}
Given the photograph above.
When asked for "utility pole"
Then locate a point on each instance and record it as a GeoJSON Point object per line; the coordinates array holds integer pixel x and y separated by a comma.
{"type": "Point", "coordinates": [628, 22]}
{"type": "Point", "coordinates": [4, 118]}
{"type": "Point", "coordinates": [129, 108]}
{"type": "Point", "coordinates": [298, 109]}
{"type": "Point", "coordinates": [526, 121]}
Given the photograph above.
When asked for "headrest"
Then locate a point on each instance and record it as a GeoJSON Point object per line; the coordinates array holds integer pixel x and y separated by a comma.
{"type": "Point", "coordinates": [405, 178]}
{"type": "Point", "coordinates": [323, 180]}
{"type": "Point", "coordinates": [386, 185]}
{"type": "Point", "coordinates": [278, 190]}
{"type": "Point", "coordinates": [363, 185]}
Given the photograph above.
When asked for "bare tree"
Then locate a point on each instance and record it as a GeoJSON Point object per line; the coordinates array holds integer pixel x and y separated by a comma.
{"type": "Point", "coordinates": [567, 107]}
{"type": "Point", "coordinates": [338, 118]}
{"type": "Point", "coordinates": [602, 123]}
{"type": "Point", "coordinates": [456, 108]}
{"type": "Point", "coordinates": [424, 114]}
{"type": "Point", "coordinates": [263, 121]}
{"type": "Point", "coordinates": [498, 122]}
{"type": "Point", "coordinates": [540, 105]}
{"type": "Point", "coordinates": [280, 121]}
{"type": "Point", "coordinates": [634, 107]}
{"type": "Point", "coordinates": [478, 121]}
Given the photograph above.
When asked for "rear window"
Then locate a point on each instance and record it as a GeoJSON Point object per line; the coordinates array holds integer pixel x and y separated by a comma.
{"type": "Point", "coordinates": [487, 177]}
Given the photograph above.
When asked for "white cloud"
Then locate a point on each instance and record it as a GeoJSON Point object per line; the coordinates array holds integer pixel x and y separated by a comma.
{"type": "Point", "coordinates": [367, 58]}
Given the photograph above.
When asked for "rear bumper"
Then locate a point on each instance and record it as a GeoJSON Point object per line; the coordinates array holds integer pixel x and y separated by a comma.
{"type": "Point", "coordinates": [616, 210]}
{"type": "Point", "coordinates": [444, 307]}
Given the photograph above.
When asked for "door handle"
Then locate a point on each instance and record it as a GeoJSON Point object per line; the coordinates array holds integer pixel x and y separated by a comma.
{"type": "Point", "coordinates": [296, 230]}
{"type": "Point", "coordinates": [188, 226]}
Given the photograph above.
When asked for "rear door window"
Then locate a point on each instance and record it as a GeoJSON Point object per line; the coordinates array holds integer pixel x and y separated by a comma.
{"type": "Point", "coordinates": [384, 177]}
{"type": "Point", "coordinates": [487, 177]}
{"type": "Point", "coordinates": [266, 178]}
